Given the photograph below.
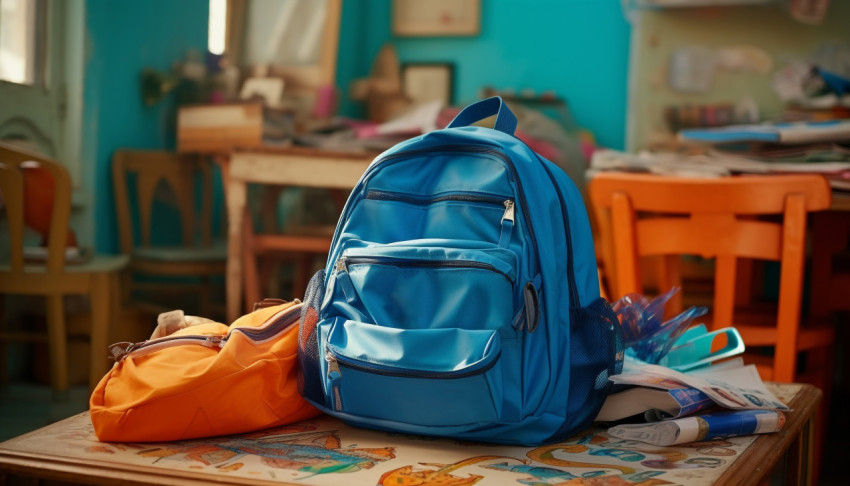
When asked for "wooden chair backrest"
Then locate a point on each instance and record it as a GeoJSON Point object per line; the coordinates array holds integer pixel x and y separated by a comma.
{"type": "Point", "coordinates": [713, 218]}
{"type": "Point", "coordinates": [13, 161]}
{"type": "Point", "coordinates": [151, 167]}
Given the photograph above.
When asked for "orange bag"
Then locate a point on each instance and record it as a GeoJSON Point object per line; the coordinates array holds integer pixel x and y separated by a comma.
{"type": "Point", "coordinates": [203, 378]}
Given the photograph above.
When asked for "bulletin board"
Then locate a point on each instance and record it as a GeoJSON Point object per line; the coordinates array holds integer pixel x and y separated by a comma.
{"type": "Point", "coordinates": [658, 33]}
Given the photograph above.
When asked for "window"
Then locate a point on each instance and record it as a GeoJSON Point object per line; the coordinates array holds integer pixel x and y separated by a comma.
{"type": "Point", "coordinates": [22, 40]}
{"type": "Point", "coordinates": [216, 39]}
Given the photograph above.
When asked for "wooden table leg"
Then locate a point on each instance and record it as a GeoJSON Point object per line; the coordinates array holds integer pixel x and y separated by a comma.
{"type": "Point", "coordinates": [57, 345]}
{"type": "Point", "coordinates": [101, 303]}
{"type": "Point", "coordinates": [251, 283]}
{"type": "Point", "coordinates": [236, 200]}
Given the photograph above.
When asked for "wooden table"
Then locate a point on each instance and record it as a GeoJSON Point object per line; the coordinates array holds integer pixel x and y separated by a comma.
{"type": "Point", "coordinates": [840, 201]}
{"type": "Point", "coordinates": [290, 166]}
{"type": "Point", "coordinates": [323, 451]}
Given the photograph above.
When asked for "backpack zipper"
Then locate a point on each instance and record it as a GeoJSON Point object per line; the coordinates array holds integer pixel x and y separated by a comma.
{"type": "Point", "coordinates": [571, 278]}
{"type": "Point", "coordinates": [423, 200]}
{"type": "Point", "coordinates": [344, 261]}
{"type": "Point", "coordinates": [335, 360]}
{"type": "Point", "coordinates": [506, 223]}
{"type": "Point", "coordinates": [279, 322]}
{"type": "Point", "coordinates": [121, 350]}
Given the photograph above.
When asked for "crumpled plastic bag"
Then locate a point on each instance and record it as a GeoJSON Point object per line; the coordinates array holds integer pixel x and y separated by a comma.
{"type": "Point", "coordinates": [646, 335]}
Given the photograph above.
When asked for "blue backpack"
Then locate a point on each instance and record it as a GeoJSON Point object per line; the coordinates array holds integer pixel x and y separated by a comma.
{"type": "Point", "coordinates": [461, 297]}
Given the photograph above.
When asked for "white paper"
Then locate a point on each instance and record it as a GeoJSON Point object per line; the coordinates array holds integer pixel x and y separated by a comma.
{"type": "Point", "coordinates": [736, 388]}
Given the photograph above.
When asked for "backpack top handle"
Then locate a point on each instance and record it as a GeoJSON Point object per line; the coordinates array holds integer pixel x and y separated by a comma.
{"type": "Point", "coordinates": [505, 119]}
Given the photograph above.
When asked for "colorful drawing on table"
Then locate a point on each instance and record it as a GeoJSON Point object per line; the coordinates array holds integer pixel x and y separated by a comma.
{"type": "Point", "coordinates": [628, 451]}
{"type": "Point", "coordinates": [544, 476]}
{"type": "Point", "coordinates": [324, 451]}
{"type": "Point", "coordinates": [297, 447]}
{"type": "Point", "coordinates": [411, 475]}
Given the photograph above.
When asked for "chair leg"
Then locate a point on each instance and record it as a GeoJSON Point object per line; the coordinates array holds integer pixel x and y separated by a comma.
{"type": "Point", "coordinates": [101, 302]}
{"type": "Point", "coordinates": [126, 282]}
{"type": "Point", "coordinates": [822, 361]}
{"type": "Point", "coordinates": [4, 358]}
{"type": "Point", "coordinates": [204, 297]}
{"type": "Point", "coordinates": [57, 344]}
{"type": "Point", "coordinates": [250, 284]}
{"type": "Point", "coordinates": [268, 275]}
{"type": "Point", "coordinates": [4, 365]}
{"type": "Point", "coordinates": [301, 275]}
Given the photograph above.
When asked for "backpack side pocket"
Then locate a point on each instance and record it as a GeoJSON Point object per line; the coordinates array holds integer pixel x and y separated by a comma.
{"type": "Point", "coordinates": [596, 353]}
{"type": "Point", "coordinates": [309, 373]}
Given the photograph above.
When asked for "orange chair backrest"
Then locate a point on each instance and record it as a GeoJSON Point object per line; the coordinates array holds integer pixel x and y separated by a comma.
{"type": "Point", "coordinates": [53, 219]}
{"type": "Point", "coordinates": [648, 215]}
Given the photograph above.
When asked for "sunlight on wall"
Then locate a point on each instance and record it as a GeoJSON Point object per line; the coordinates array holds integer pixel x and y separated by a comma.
{"type": "Point", "coordinates": [218, 26]}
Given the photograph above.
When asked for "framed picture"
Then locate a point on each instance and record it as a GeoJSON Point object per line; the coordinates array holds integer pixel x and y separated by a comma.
{"type": "Point", "coordinates": [436, 17]}
{"type": "Point", "coordinates": [423, 82]}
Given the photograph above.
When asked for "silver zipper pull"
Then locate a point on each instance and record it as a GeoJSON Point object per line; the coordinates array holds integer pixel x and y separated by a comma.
{"type": "Point", "coordinates": [118, 351]}
{"type": "Point", "coordinates": [213, 342]}
{"type": "Point", "coordinates": [334, 376]}
{"type": "Point", "coordinates": [509, 211]}
{"type": "Point", "coordinates": [340, 264]}
{"type": "Point", "coordinates": [507, 224]}
{"type": "Point", "coordinates": [333, 366]}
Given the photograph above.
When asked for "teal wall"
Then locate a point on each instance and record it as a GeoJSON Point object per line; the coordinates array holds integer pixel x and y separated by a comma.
{"type": "Point", "coordinates": [124, 37]}
{"type": "Point", "coordinates": [577, 48]}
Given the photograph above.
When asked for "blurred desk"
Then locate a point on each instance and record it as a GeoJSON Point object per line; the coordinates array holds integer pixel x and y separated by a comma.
{"type": "Point", "coordinates": [840, 201]}
{"type": "Point", "coordinates": [324, 451]}
{"type": "Point", "coordinates": [290, 166]}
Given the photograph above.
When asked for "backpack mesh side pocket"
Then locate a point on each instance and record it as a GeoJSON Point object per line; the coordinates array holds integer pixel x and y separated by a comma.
{"type": "Point", "coordinates": [309, 378]}
{"type": "Point", "coordinates": [596, 352]}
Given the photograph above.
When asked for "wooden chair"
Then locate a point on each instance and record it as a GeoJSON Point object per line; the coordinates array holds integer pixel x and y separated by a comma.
{"type": "Point", "coordinates": [159, 268]}
{"type": "Point", "coordinates": [96, 277]}
{"type": "Point", "coordinates": [729, 220]}
{"type": "Point", "coordinates": [296, 245]}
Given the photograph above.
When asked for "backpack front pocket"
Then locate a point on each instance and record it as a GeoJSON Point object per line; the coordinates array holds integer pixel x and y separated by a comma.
{"type": "Point", "coordinates": [458, 215]}
{"type": "Point", "coordinates": [418, 287]}
{"type": "Point", "coordinates": [436, 377]}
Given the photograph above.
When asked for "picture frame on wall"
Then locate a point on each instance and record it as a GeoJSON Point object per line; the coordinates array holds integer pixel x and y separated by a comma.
{"type": "Point", "coordinates": [424, 82]}
{"type": "Point", "coordinates": [436, 18]}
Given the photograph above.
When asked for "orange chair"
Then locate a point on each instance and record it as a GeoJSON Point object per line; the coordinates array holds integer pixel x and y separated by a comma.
{"type": "Point", "coordinates": [723, 219]}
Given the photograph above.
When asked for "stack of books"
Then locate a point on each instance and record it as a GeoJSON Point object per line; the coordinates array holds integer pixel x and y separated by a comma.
{"type": "Point", "coordinates": [807, 146]}
{"type": "Point", "coordinates": [662, 406]}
